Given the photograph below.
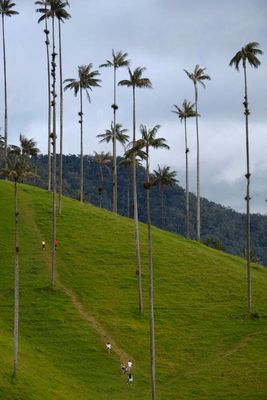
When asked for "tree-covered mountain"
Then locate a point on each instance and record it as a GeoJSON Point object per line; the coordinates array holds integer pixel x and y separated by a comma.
{"type": "Point", "coordinates": [220, 226]}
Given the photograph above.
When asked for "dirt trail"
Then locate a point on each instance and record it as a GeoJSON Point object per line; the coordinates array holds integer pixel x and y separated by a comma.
{"type": "Point", "coordinates": [123, 356]}
{"type": "Point", "coordinates": [87, 316]}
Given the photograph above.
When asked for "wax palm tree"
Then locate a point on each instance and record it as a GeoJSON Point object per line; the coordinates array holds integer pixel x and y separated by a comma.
{"type": "Point", "coordinates": [28, 146]}
{"type": "Point", "coordinates": [198, 76]}
{"type": "Point", "coordinates": [249, 54]}
{"type": "Point", "coordinates": [50, 11]}
{"type": "Point", "coordinates": [61, 15]}
{"type": "Point", "coordinates": [119, 60]}
{"type": "Point", "coordinates": [6, 10]}
{"type": "Point", "coordinates": [163, 177]}
{"type": "Point", "coordinates": [102, 159]}
{"type": "Point", "coordinates": [147, 141]}
{"type": "Point", "coordinates": [186, 111]}
{"type": "Point", "coordinates": [86, 81]}
{"type": "Point", "coordinates": [16, 168]}
{"type": "Point", "coordinates": [44, 10]}
{"type": "Point", "coordinates": [136, 80]}
{"type": "Point", "coordinates": [57, 9]}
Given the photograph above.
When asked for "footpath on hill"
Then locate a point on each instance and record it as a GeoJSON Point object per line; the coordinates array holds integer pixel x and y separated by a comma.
{"type": "Point", "coordinates": [87, 316]}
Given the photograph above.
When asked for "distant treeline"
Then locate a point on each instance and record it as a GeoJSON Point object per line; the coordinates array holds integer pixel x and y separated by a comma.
{"type": "Point", "coordinates": [221, 227]}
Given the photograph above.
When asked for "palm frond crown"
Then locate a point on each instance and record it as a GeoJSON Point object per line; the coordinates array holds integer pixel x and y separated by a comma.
{"type": "Point", "coordinates": [136, 79]}
{"type": "Point", "coordinates": [87, 80]}
{"type": "Point", "coordinates": [119, 59]}
{"type": "Point", "coordinates": [198, 75]}
{"type": "Point", "coordinates": [186, 111]}
{"type": "Point", "coordinates": [6, 8]}
{"type": "Point", "coordinates": [248, 53]}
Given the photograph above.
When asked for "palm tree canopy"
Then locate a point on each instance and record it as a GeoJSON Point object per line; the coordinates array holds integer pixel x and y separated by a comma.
{"type": "Point", "coordinates": [147, 140]}
{"type": "Point", "coordinates": [127, 162]}
{"type": "Point", "coordinates": [198, 76]}
{"type": "Point", "coordinates": [136, 79]}
{"type": "Point", "coordinates": [164, 177]}
{"type": "Point", "coordinates": [102, 158]}
{"type": "Point", "coordinates": [186, 111]}
{"type": "Point", "coordinates": [16, 167]}
{"type": "Point", "coordinates": [6, 8]}
{"type": "Point", "coordinates": [119, 59]}
{"type": "Point", "coordinates": [53, 8]}
{"type": "Point", "coordinates": [249, 52]}
{"type": "Point", "coordinates": [28, 146]}
{"type": "Point", "coordinates": [87, 80]}
{"type": "Point", "coordinates": [109, 134]}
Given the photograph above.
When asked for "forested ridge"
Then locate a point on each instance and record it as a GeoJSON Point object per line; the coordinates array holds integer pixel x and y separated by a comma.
{"type": "Point", "coordinates": [221, 226]}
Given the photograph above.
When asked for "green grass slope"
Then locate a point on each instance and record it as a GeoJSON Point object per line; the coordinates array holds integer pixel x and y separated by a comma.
{"type": "Point", "coordinates": [206, 346]}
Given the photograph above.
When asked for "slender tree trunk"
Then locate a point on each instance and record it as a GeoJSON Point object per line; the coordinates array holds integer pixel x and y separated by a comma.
{"type": "Point", "coordinates": [48, 109]}
{"type": "Point", "coordinates": [81, 158]}
{"type": "Point", "coordinates": [138, 256]}
{"type": "Point", "coordinates": [151, 288]}
{"type": "Point", "coordinates": [198, 169]}
{"type": "Point", "coordinates": [186, 184]}
{"type": "Point", "coordinates": [61, 119]}
{"type": "Point", "coordinates": [5, 86]}
{"type": "Point", "coordinates": [248, 252]}
{"type": "Point", "coordinates": [128, 194]}
{"type": "Point", "coordinates": [161, 206]}
{"type": "Point", "coordinates": [54, 139]}
{"type": "Point", "coordinates": [115, 179]}
{"type": "Point", "coordinates": [16, 285]}
{"type": "Point", "coordinates": [101, 183]}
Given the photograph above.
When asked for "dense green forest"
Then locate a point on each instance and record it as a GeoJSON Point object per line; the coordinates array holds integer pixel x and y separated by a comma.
{"type": "Point", "coordinates": [221, 227]}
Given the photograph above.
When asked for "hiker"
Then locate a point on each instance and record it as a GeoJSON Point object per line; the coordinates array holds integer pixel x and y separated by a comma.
{"type": "Point", "coordinates": [123, 368]}
{"type": "Point", "coordinates": [43, 245]}
{"type": "Point", "coordinates": [130, 378]}
{"type": "Point", "coordinates": [129, 366]}
{"type": "Point", "coordinates": [108, 347]}
{"type": "Point", "coordinates": [55, 243]}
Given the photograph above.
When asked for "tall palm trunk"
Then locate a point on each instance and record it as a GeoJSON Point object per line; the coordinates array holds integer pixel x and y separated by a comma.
{"type": "Point", "coordinates": [49, 109]}
{"type": "Point", "coordinates": [5, 86]}
{"type": "Point", "coordinates": [54, 137]}
{"type": "Point", "coordinates": [61, 119]}
{"type": "Point", "coordinates": [161, 207]}
{"type": "Point", "coordinates": [115, 179]}
{"type": "Point", "coordinates": [138, 256]}
{"type": "Point", "coordinates": [186, 184]}
{"type": "Point", "coordinates": [128, 194]}
{"type": "Point", "coordinates": [151, 288]}
{"type": "Point", "coordinates": [101, 183]}
{"type": "Point", "coordinates": [81, 157]}
{"type": "Point", "coordinates": [248, 252]}
{"type": "Point", "coordinates": [16, 284]}
{"type": "Point", "coordinates": [198, 168]}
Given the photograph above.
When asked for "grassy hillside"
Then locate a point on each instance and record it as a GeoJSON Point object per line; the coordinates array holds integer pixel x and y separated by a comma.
{"type": "Point", "coordinates": [206, 346]}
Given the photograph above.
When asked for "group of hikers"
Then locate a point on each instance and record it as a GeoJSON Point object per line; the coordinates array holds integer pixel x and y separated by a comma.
{"type": "Point", "coordinates": [125, 368]}
{"type": "Point", "coordinates": [44, 244]}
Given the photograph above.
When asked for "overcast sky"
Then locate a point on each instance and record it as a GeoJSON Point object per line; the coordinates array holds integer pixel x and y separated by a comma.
{"type": "Point", "coordinates": [165, 36]}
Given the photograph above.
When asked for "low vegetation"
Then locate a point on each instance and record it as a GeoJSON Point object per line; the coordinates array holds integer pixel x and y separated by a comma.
{"type": "Point", "coordinates": [206, 345]}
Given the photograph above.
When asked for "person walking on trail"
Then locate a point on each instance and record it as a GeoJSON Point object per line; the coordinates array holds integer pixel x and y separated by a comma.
{"type": "Point", "coordinates": [56, 243]}
{"type": "Point", "coordinates": [130, 378]}
{"type": "Point", "coordinates": [129, 366]}
{"type": "Point", "coordinates": [43, 245]}
{"type": "Point", "coordinates": [108, 347]}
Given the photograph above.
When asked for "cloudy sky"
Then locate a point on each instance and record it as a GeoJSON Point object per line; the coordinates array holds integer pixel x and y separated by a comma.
{"type": "Point", "coordinates": [165, 36]}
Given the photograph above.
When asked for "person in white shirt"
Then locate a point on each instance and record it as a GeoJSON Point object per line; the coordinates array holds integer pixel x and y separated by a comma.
{"type": "Point", "coordinates": [108, 347]}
